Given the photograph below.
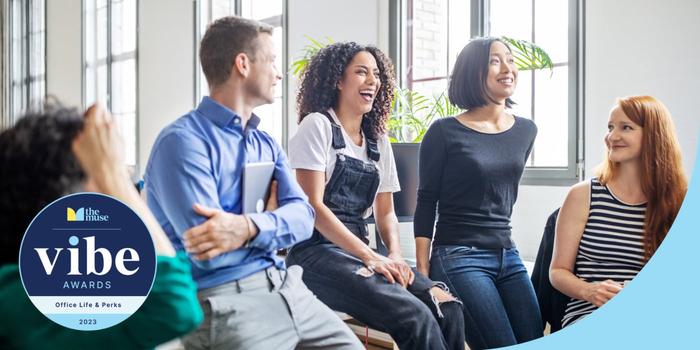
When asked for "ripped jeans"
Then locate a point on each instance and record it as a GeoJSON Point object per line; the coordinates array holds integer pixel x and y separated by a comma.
{"type": "Point", "coordinates": [410, 315]}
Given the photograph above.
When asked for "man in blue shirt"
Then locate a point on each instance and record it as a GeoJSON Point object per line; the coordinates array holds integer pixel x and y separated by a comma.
{"type": "Point", "coordinates": [193, 184]}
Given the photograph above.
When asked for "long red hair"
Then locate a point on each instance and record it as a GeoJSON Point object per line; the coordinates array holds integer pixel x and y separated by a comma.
{"type": "Point", "coordinates": [663, 181]}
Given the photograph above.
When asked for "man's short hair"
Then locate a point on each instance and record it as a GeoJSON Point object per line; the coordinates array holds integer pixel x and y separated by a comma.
{"type": "Point", "coordinates": [38, 167]}
{"type": "Point", "coordinates": [224, 40]}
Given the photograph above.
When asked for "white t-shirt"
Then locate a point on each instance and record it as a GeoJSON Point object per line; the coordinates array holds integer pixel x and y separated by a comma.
{"type": "Point", "coordinates": [311, 148]}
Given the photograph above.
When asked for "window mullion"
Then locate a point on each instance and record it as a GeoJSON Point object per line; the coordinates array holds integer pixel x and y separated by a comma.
{"type": "Point", "coordinates": [409, 59]}
{"type": "Point", "coordinates": [238, 7]}
{"type": "Point", "coordinates": [533, 83]}
{"type": "Point", "coordinates": [27, 51]}
{"type": "Point", "coordinates": [447, 49]}
{"type": "Point", "coordinates": [479, 17]}
{"type": "Point", "coordinates": [109, 55]}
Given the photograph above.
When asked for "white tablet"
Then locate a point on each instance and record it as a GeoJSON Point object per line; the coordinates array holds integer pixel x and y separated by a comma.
{"type": "Point", "coordinates": [256, 186]}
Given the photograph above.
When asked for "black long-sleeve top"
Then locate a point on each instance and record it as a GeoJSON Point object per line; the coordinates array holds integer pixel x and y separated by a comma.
{"type": "Point", "coordinates": [472, 178]}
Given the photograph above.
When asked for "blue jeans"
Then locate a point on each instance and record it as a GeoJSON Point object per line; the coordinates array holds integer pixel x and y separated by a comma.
{"type": "Point", "coordinates": [500, 306]}
{"type": "Point", "coordinates": [409, 315]}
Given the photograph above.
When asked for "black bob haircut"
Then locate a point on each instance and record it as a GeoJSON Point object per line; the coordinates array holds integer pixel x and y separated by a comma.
{"type": "Point", "coordinates": [467, 87]}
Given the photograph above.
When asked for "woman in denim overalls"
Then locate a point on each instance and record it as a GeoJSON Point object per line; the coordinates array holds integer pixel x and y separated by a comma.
{"type": "Point", "coordinates": [344, 164]}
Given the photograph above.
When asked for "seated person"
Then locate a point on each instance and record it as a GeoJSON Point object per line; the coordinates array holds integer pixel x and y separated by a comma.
{"type": "Point", "coordinates": [53, 153]}
{"type": "Point", "coordinates": [194, 187]}
{"type": "Point", "coordinates": [611, 225]}
{"type": "Point", "coordinates": [344, 163]}
{"type": "Point", "coordinates": [469, 168]}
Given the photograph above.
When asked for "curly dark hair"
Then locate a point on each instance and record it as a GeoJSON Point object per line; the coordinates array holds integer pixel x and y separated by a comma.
{"type": "Point", "coordinates": [38, 167]}
{"type": "Point", "coordinates": [318, 90]}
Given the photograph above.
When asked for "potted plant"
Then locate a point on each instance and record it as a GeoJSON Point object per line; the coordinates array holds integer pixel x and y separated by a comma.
{"type": "Point", "coordinates": [412, 114]}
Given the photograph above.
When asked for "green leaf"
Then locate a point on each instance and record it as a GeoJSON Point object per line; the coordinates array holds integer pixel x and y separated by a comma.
{"type": "Point", "coordinates": [529, 56]}
{"type": "Point", "coordinates": [312, 48]}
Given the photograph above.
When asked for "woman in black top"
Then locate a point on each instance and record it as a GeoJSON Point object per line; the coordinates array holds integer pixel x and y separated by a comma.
{"type": "Point", "coordinates": [471, 165]}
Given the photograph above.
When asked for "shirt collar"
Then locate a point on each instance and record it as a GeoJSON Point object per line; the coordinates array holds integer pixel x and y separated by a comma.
{"type": "Point", "coordinates": [222, 116]}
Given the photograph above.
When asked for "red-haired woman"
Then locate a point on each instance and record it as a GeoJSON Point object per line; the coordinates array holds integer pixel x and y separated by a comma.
{"type": "Point", "coordinates": [610, 226]}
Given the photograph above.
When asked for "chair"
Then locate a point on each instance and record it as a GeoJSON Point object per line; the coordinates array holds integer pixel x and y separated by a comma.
{"type": "Point", "coordinates": [552, 302]}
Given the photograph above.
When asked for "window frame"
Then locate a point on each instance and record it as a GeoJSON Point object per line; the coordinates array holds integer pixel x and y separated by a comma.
{"type": "Point", "coordinates": [26, 81]}
{"type": "Point", "coordinates": [479, 14]}
{"type": "Point", "coordinates": [275, 21]}
{"type": "Point", "coordinates": [108, 62]}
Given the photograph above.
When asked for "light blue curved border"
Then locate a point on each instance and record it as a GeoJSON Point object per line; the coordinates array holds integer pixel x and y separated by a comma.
{"type": "Point", "coordinates": [659, 309]}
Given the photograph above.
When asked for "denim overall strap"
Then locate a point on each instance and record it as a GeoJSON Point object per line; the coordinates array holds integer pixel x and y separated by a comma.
{"type": "Point", "coordinates": [339, 141]}
{"type": "Point", "coordinates": [372, 148]}
{"type": "Point", "coordinates": [352, 187]}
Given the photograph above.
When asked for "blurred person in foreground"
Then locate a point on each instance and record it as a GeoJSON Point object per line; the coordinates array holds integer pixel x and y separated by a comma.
{"type": "Point", "coordinates": [53, 153]}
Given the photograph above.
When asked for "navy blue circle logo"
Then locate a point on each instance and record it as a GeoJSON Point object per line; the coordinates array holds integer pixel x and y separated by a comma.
{"type": "Point", "coordinates": [87, 261]}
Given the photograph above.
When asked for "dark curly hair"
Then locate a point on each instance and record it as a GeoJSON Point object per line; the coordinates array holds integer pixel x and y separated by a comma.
{"type": "Point", "coordinates": [37, 166]}
{"type": "Point", "coordinates": [319, 84]}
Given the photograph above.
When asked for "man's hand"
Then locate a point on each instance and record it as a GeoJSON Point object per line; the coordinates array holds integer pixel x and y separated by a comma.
{"type": "Point", "coordinates": [221, 233]}
{"type": "Point", "coordinates": [404, 269]}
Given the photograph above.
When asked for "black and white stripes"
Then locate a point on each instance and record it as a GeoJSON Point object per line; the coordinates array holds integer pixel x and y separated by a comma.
{"type": "Point", "coordinates": [612, 245]}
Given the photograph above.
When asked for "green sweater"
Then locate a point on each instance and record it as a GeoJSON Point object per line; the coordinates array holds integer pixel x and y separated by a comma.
{"type": "Point", "coordinates": [171, 310]}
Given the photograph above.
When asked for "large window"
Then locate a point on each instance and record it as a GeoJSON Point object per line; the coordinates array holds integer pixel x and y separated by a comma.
{"type": "Point", "coordinates": [273, 116]}
{"type": "Point", "coordinates": [24, 56]}
{"type": "Point", "coordinates": [109, 46]}
{"type": "Point", "coordinates": [436, 30]}
{"type": "Point", "coordinates": [435, 33]}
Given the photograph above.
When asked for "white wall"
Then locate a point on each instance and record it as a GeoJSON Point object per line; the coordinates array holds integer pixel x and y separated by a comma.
{"type": "Point", "coordinates": [64, 51]}
{"type": "Point", "coordinates": [166, 67]}
{"type": "Point", "coordinates": [642, 47]}
{"type": "Point", "coordinates": [632, 47]}
{"type": "Point", "coordinates": [340, 20]}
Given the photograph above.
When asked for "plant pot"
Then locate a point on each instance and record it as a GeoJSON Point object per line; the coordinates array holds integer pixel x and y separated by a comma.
{"type": "Point", "coordinates": [406, 156]}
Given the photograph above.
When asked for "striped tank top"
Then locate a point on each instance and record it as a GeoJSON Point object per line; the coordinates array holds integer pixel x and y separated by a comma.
{"type": "Point", "coordinates": [612, 245]}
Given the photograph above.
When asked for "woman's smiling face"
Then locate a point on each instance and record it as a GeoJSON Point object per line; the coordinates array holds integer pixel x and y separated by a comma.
{"type": "Point", "coordinates": [360, 83]}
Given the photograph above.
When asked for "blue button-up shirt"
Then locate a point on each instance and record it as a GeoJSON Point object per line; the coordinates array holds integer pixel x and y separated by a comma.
{"type": "Point", "coordinates": [199, 159]}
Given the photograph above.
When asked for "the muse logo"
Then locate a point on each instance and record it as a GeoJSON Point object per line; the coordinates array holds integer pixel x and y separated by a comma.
{"type": "Point", "coordinates": [85, 214]}
{"type": "Point", "coordinates": [84, 269]}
